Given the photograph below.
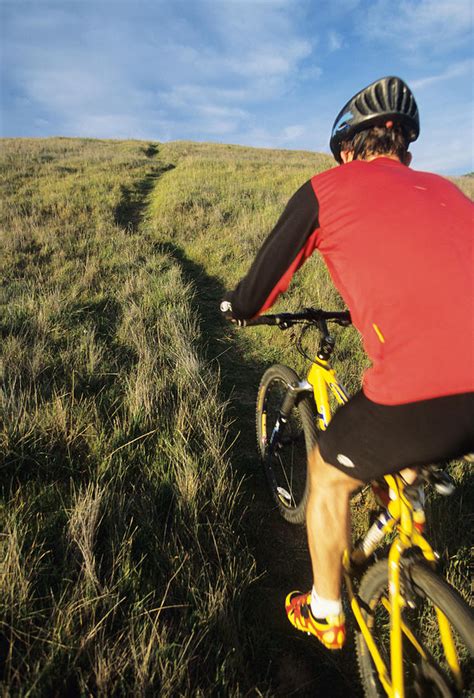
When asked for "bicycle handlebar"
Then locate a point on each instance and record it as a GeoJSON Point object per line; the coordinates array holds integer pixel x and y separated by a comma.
{"type": "Point", "coordinates": [308, 315]}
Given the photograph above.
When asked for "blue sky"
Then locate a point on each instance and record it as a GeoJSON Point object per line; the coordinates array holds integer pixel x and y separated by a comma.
{"type": "Point", "coordinates": [270, 73]}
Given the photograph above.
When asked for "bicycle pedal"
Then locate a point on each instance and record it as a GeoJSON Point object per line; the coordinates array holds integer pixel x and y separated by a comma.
{"type": "Point", "coordinates": [443, 483]}
{"type": "Point", "coordinates": [445, 488]}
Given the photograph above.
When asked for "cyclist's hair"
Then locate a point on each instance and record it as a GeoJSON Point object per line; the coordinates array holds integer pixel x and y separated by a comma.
{"type": "Point", "coordinates": [379, 140]}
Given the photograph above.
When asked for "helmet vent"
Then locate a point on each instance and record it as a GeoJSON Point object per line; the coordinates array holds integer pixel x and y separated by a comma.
{"type": "Point", "coordinates": [379, 94]}
{"type": "Point", "coordinates": [363, 106]}
{"type": "Point", "coordinates": [371, 104]}
{"type": "Point", "coordinates": [400, 97]}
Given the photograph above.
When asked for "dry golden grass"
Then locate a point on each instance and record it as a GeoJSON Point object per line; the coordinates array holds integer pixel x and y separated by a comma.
{"type": "Point", "coordinates": [113, 441]}
{"type": "Point", "coordinates": [127, 566]}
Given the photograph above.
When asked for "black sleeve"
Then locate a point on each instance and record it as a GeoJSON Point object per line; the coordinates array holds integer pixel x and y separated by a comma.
{"type": "Point", "coordinates": [286, 248]}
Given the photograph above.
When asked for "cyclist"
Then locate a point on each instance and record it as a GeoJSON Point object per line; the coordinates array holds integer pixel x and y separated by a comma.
{"type": "Point", "coordinates": [398, 244]}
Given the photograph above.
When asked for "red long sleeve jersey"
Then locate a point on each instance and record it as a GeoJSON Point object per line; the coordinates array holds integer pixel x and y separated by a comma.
{"type": "Point", "coordinates": [399, 247]}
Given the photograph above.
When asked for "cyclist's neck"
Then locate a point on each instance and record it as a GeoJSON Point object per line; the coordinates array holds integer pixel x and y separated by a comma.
{"type": "Point", "coordinates": [348, 156]}
{"type": "Point", "coordinates": [384, 156]}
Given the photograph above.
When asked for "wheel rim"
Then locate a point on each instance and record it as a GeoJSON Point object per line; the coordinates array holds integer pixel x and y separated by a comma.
{"type": "Point", "coordinates": [428, 676]}
{"type": "Point", "coordinates": [286, 462]}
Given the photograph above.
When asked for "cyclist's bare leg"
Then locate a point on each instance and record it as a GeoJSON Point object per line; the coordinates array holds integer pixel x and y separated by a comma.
{"type": "Point", "coordinates": [328, 523]}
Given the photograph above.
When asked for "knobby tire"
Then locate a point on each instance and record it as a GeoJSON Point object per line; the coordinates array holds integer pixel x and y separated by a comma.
{"type": "Point", "coordinates": [431, 679]}
{"type": "Point", "coordinates": [289, 487]}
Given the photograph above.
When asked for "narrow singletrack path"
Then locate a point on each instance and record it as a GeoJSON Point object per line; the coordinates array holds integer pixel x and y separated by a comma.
{"type": "Point", "coordinates": [286, 662]}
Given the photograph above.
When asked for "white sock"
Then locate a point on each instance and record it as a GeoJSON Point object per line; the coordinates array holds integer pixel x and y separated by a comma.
{"type": "Point", "coordinates": [321, 608]}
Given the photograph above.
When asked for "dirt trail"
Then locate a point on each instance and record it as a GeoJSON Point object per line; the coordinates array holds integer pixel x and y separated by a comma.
{"type": "Point", "coordinates": [281, 660]}
{"type": "Point", "coordinates": [292, 663]}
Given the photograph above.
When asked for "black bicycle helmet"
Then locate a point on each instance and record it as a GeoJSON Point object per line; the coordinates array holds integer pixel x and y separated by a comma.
{"type": "Point", "coordinates": [385, 100]}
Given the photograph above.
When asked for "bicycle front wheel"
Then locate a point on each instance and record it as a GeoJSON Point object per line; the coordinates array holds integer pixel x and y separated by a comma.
{"type": "Point", "coordinates": [428, 675]}
{"type": "Point", "coordinates": [284, 445]}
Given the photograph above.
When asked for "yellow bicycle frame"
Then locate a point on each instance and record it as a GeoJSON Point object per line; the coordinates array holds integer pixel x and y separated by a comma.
{"type": "Point", "coordinates": [323, 380]}
{"type": "Point", "coordinates": [322, 377]}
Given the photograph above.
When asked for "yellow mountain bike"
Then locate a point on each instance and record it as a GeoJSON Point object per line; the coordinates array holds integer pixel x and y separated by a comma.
{"type": "Point", "coordinates": [415, 633]}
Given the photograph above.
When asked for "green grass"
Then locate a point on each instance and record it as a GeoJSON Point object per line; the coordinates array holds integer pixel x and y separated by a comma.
{"type": "Point", "coordinates": [123, 564]}
{"type": "Point", "coordinates": [140, 554]}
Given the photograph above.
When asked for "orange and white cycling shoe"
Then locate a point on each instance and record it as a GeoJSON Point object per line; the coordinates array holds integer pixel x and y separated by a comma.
{"type": "Point", "coordinates": [331, 631]}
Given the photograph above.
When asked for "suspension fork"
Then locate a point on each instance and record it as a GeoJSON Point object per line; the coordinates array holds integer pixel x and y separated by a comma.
{"type": "Point", "coordinates": [293, 394]}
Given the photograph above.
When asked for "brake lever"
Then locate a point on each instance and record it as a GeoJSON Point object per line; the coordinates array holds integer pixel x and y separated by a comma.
{"type": "Point", "coordinates": [342, 322]}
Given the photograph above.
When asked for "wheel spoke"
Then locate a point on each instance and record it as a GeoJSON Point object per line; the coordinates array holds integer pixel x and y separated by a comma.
{"type": "Point", "coordinates": [284, 443]}
{"type": "Point", "coordinates": [425, 667]}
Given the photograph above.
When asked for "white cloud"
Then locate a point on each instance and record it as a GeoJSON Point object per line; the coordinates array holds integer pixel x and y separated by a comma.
{"type": "Point", "coordinates": [446, 140]}
{"type": "Point", "coordinates": [222, 112]}
{"type": "Point", "coordinates": [110, 125]}
{"type": "Point", "coordinates": [450, 72]}
{"type": "Point", "coordinates": [202, 64]}
{"type": "Point", "coordinates": [63, 89]}
{"type": "Point", "coordinates": [270, 61]}
{"type": "Point", "coordinates": [214, 111]}
{"type": "Point", "coordinates": [335, 41]}
{"type": "Point", "coordinates": [438, 25]}
{"type": "Point", "coordinates": [41, 123]}
{"type": "Point", "coordinates": [292, 133]}
{"type": "Point", "coordinates": [451, 157]}
{"type": "Point", "coordinates": [293, 136]}
{"type": "Point", "coordinates": [218, 120]}
{"type": "Point", "coordinates": [186, 94]}
{"type": "Point", "coordinates": [262, 43]}
{"type": "Point", "coordinates": [310, 72]}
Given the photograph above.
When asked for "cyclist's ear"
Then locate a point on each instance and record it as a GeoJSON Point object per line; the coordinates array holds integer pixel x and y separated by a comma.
{"type": "Point", "coordinates": [347, 156]}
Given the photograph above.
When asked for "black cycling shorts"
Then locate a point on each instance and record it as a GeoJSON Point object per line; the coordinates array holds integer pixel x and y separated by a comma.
{"type": "Point", "coordinates": [367, 440]}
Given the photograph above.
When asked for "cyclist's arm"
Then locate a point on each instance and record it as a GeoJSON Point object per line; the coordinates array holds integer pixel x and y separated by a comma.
{"type": "Point", "coordinates": [290, 243]}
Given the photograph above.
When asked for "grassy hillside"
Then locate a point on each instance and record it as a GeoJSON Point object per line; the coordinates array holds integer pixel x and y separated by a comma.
{"type": "Point", "coordinates": [121, 515]}
{"type": "Point", "coordinates": [139, 551]}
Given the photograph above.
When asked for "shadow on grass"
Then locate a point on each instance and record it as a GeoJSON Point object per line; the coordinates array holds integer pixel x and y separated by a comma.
{"type": "Point", "coordinates": [289, 662]}
{"type": "Point", "coordinates": [151, 150]}
{"type": "Point", "coordinates": [129, 212]}
{"type": "Point", "coordinates": [44, 453]}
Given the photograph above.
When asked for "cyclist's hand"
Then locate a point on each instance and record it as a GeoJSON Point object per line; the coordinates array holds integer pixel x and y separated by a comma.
{"type": "Point", "coordinates": [226, 310]}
